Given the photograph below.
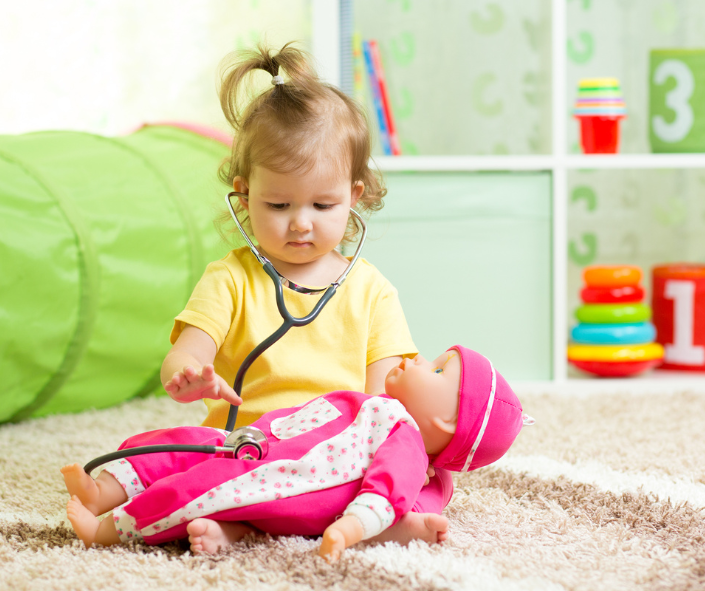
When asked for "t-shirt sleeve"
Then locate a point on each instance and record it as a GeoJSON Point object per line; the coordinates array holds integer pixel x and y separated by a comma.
{"type": "Point", "coordinates": [388, 332]}
{"type": "Point", "coordinates": [211, 305]}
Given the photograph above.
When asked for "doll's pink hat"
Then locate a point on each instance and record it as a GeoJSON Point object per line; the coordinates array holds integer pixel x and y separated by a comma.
{"type": "Point", "coordinates": [490, 416]}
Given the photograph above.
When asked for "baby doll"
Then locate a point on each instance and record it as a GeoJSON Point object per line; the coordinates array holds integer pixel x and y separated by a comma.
{"type": "Point", "coordinates": [344, 453]}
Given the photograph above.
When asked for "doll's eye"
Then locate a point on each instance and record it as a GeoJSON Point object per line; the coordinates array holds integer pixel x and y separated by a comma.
{"type": "Point", "coordinates": [438, 370]}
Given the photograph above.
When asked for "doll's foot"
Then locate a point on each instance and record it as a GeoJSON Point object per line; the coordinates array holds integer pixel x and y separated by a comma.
{"type": "Point", "coordinates": [84, 523]}
{"type": "Point", "coordinates": [427, 527]}
{"type": "Point", "coordinates": [80, 484]}
{"type": "Point", "coordinates": [209, 536]}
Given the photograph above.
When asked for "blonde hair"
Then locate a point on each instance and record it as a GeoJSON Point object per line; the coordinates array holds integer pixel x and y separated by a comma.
{"type": "Point", "coordinates": [289, 126]}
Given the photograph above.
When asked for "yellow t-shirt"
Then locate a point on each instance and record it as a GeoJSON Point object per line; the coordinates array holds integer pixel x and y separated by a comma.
{"type": "Point", "coordinates": [235, 303]}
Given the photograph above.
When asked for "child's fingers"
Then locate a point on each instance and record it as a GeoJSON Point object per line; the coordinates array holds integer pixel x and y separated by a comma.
{"type": "Point", "coordinates": [177, 379]}
{"type": "Point", "coordinates": [228, 394]}
{"type": "Point", "coordinates": [191, 374]}
{"type": "Point", "coordinates": [223, 391]}
{"type": "Point", "coordinates": [208, 372]}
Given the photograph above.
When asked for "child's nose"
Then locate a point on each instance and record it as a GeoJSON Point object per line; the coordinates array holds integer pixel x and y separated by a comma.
{"type": "Point", "coordinates": [300, 222]}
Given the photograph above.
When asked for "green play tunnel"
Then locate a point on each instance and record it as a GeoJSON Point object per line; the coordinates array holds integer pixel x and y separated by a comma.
{"type": "Point", "coordinates": [101, 242]}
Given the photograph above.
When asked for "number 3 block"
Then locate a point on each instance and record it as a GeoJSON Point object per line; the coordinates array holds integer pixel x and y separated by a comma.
{"type": "Point", "coordinates": [677, 100]}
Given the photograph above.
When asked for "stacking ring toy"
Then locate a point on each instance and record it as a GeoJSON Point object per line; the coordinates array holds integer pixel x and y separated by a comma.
{"type": "Point", "coordinates": [613, 313]}
{"type": "Point", "coordinates": [612, 295]}
{"type": "Point", "coordinates": [611, 275]}
{"type": "Point", "coordinates": [613, 334]}
{"type": "Point", "coordinates": [616, 369]}
{"type": "Point", "coordinates": [644, 352]}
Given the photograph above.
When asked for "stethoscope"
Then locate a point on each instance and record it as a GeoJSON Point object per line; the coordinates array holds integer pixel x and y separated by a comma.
{"type": "Point", "coordinates": [247, 443]}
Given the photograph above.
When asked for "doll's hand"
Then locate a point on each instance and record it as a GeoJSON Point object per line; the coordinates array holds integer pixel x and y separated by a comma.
{"type": "Point", "coordinates": [339, 535]}
{"type": "Point", "coordinates": [332, 545]}
{"type": "Point", "coordinates": [188, 385]}
{"type": "Point", "coordinates": [430, 473]}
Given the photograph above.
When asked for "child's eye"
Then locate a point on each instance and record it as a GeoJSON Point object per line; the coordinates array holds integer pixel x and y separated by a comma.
{"type": "Point", "coordinates": [322, 206]}
{"type": "Point", "coordinates": [276, 206]}
{"type": "Point", "coordinates": [438, 370]}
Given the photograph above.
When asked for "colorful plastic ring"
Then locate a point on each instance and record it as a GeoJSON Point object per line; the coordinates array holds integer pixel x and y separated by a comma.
{"type": "Point", "coordinates": [613, 334]}
{"type": "Point", "coordinates": [612, 295]}
{"type": "Point", "coordinates": [617, 369]}
{"type": "Point", "coordinates": [611, 275]}
{"type": "Point", "coordinates": [613, 313]}
{"type": "Point", "coordinates": [644, 352]}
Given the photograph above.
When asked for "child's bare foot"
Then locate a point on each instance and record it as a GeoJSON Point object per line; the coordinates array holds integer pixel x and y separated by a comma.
{"type": "Point", "coordinates": [427, 527]}
{"type": "Point", "coordinates": [81, 485]}
{"type": "Point", "coordinates": [207, 535]}
{"type": "Point", "coordinates": [84, 523]}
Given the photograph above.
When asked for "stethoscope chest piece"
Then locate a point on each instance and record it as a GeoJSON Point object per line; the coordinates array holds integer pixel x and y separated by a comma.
{"type": "Point", "coordinates": [247, 443]}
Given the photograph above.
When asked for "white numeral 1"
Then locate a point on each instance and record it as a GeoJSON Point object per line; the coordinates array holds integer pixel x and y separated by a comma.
{"type": "Point", "coordinates": [682, 350]}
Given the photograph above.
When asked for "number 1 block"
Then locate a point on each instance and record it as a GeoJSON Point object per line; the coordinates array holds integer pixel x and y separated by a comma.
{"type": "Point", "coordinates": [677, 100]}
{"type": "Point", "coordinates": [678, 302]}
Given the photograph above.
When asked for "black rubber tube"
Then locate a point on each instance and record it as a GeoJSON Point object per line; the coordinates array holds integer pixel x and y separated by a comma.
{"type": "Point", "coordinates": [147, 449]}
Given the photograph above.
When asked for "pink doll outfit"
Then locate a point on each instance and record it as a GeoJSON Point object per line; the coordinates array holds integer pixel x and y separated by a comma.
{"type": "Point", "coordinates": [342, 453]}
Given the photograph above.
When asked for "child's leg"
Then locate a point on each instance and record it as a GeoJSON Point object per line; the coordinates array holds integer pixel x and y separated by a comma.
{"type": "Point", "coordinates": [88, 528]}
{"type": "Point", "coordinates": [209, 536]}
{"type": "Point", "coordinates": [97, 496]}
{"type": "Point", "coordinates": [424, 522]}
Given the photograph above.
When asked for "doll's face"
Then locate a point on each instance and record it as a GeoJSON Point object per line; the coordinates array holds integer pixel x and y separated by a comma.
{"type": "Point", "coordinates": [429, 391]}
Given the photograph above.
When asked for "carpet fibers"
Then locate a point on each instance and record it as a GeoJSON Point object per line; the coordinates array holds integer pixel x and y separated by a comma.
{"type": "Point", "coordinates": [604, 492]}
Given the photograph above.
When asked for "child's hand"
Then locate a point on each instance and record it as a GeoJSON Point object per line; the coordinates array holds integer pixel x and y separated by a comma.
{"type": "Point", "coordinates": [188, 385]}
{"type": "Point", "coordinates": [430, 473]}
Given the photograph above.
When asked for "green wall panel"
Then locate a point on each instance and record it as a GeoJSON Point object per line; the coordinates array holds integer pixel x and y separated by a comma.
{"type": "Point", "coordinates": [471, 257]}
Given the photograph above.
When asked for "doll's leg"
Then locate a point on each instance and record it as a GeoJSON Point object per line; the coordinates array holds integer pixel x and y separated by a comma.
{"type": "Point", "coordinates": [209, 536]}
{"type": "Point", "coordinates": [87, 526]}
{"type": "Point", "coordinates": [97, 496]}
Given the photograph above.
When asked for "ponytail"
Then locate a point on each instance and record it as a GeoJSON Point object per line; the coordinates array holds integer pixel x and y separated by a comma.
{"type": "Point", "coordinates": [294, 122]}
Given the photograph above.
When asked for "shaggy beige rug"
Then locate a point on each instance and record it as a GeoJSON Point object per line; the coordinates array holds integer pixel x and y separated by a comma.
{"type": "Point", "coordinates": [604, 492]}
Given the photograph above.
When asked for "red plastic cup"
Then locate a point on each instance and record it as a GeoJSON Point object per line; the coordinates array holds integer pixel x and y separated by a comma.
{"type": "Point", "coordinates": [599, 135]}
{"type": "Point", "coordinates": [678, 302]}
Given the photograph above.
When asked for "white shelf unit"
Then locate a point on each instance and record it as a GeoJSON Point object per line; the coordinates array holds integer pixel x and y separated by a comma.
{"type": "Point", "coordinates": [558, 166]}
{"type": "Point", "coordinates": [558, 163]}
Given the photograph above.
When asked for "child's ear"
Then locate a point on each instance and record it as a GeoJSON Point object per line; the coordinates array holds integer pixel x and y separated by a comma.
{"type": "Point", "coordinates": [357, 190]}
{"type": "Point", "coordinates": [240, 186]}
{"type": "Point", "coordinates": [445, 426]}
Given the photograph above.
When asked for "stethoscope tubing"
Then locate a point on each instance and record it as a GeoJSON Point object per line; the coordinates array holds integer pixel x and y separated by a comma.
{"type": "Point", "coordinates": [289, 322]}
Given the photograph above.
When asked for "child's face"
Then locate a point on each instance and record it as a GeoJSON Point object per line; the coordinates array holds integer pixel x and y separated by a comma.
{"type": "Point", "coordinates": [429, 391]}
{"type": "Point", "coordinates": [298, 218]}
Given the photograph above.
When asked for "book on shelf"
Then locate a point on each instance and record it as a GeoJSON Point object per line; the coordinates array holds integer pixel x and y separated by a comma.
{"type": "Point", "coordinates": [384, 93]}
{"type": "Point", "coordinates": [378, 89]}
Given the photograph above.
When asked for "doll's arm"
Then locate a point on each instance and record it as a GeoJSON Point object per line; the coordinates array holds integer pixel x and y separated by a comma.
{"type": "Point", "coordinates": [187, 372]}
{"type": "Point", "coordinates": [389, 489]}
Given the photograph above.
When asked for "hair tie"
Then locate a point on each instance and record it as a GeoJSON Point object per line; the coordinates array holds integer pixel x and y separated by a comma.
{"type": "Point", "coordinates": [276, 80]}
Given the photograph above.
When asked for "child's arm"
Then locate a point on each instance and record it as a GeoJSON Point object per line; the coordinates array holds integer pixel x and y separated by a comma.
{"type": "Point", "coordinates": [377, 372]}
{"type": "Point", "coordinates": [187, 372]}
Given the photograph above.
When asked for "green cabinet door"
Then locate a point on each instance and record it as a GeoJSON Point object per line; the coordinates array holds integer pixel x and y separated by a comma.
{"type": "Point", "coordinates": [470, 254]}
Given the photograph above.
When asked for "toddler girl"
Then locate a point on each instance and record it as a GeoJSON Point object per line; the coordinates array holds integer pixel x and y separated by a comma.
{"type": "Point", "coordinates": [300, 158]}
